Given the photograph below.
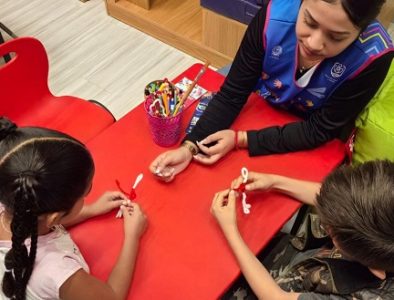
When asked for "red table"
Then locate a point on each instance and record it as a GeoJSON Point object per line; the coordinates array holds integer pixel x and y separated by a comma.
{"type": "Point", "coordinates": [183, 254]}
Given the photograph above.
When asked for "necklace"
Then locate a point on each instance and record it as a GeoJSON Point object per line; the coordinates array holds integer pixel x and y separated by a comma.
{"type": "Point", "coordinates": [305, 65]}
{"type": "Point", "coordinates": [2, 223]}
{"type": "Point", "coordinates": [302, 69]}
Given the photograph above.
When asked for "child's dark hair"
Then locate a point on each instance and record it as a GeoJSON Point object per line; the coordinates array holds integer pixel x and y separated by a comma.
{"type": "Point", "coordinates": [357, 206]}
{"type": "Point", "coordinates": [361, 12]}
{"type": "Point", "coordinates": [41, 171]}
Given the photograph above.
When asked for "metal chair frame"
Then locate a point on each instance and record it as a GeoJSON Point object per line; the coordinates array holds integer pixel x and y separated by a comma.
{"type": "Point", "coordinates": [7, 57]}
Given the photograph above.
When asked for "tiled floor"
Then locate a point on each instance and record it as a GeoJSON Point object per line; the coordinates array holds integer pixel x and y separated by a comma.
{"type": "Point", "coordinates": [92, 55]}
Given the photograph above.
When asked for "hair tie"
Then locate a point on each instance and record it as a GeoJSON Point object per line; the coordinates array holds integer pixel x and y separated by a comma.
{"type": "Point", "coordinates": [9, 263]}
{"type": "Point", "coordinates": [6, 127]}
{"type": "Point", "coordinates": [28, 173]}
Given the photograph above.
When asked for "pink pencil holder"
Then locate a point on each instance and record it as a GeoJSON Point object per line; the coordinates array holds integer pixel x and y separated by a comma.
{"type": "Point", "coordinates": [165, 131]}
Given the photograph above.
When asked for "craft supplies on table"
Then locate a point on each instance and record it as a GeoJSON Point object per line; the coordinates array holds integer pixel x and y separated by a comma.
{"type": "Point", "coordinates": [161, 98]}
{"type": "Point", "coordinates": [165, 104]}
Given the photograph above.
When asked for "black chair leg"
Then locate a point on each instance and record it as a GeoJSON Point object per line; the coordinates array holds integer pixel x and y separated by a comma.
{"type": "Point", "coordinates": [7, 30]}
{"type": "Point", "coordinates": [7, 57]}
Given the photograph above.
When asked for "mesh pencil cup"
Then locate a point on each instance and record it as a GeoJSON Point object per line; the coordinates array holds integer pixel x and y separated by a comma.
{"type": "Point", "coordinates": [165, 124]}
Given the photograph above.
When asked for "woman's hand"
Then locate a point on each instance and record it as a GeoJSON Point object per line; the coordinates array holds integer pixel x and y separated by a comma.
{"type": "Point", "coordinates": [225, 142]}
{"type": "Point", "coordinates": [223, 208]}
{"type": "Point", "coordinates": [256, 182]}
{"type": "Point", "coordinates": [135, 221]}
{"type": "Point", "coordinates": [170, 163]}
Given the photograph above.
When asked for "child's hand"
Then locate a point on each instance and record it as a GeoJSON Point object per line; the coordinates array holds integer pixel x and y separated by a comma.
{"type": "Point", "coordinates": [135, 221]}
{"type": "Point", "coordinates": [106, 203]}
{"type": "Point", "coordinates": [223, 209]}
{"type": "Point", "coordinates": [256, 181]}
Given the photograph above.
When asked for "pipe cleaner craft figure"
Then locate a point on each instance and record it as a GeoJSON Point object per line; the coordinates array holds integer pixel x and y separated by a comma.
{"type": "Point", "coordinates": [241, 189]}
{"type": "Point", "coordinates": [132, 195]}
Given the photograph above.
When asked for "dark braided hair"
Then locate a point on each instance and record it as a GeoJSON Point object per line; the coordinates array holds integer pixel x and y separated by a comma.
{"type": "Point", "coordinates": [41, 171]}
{"type": "Point", "coordinates": [23, 225]}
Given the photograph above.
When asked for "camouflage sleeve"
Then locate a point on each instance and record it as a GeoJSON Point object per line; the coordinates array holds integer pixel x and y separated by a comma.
{"type": "Point", "coordinates": [317, 296]}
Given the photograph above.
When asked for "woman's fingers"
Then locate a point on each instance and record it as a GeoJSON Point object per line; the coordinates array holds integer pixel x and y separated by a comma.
{"type": "Point", "coordinates": [206, 160]}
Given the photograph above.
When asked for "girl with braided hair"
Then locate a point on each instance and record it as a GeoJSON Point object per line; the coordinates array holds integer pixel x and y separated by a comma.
{"type": "Point", "coordinates": [44, 177]}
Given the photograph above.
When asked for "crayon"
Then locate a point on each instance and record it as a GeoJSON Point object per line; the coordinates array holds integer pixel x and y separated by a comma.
{"type": "Point", "coordinates": [165, 103]}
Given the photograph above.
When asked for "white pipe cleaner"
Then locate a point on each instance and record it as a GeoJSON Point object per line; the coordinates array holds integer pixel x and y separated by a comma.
{"type": "Point", "coordinates": [132, 193]}
{"type": "Point", "coordinates": [245, 206]}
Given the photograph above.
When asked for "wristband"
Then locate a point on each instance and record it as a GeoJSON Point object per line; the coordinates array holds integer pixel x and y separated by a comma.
{"type": "Point", "coordinates": [236, 141]}
{"type": "Point", "coordinates": [191, 147]}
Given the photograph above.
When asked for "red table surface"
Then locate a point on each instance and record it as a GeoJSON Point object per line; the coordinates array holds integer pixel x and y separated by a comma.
{"type": "Point", "coordinates": [183, 254]}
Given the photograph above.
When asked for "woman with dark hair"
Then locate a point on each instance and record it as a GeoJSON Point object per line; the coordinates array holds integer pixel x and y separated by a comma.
{"type": "Point", "coordinates": [355, 208]}
{"type": "Point", "coordinates": [320, 59]}
{"type": "Point", "coordinates": [44, 177]}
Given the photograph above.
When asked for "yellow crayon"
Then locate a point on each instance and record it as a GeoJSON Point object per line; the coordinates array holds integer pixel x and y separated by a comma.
{"type": "Point", "coordinates": [163, 86]}
{"type": "Point", "coordinates": [165, 103]}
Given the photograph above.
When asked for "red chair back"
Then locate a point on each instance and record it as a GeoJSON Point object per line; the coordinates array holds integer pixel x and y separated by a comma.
{"type": "Point", "coordinates": [26, 99]}
{"type": "Point", "coordinates": [23, 80]}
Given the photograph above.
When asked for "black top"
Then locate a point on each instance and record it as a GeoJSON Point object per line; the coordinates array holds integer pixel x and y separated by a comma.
{"type": "Point", "coordinates": [334, 119]}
